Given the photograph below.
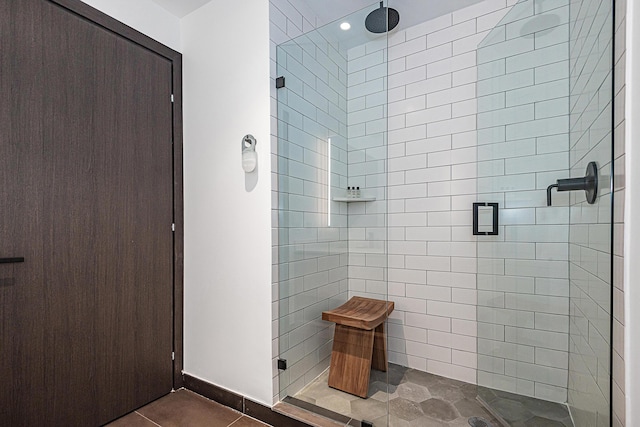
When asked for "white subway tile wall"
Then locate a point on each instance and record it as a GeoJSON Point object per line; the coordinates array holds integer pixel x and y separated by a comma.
{"type": "Point", "coordinates": [476, 104]}
{"type": "Point", "coordinates": [591, 41]}
{"type": "Point", "coordinates": [431, 160]}
{"type": "Point", "coordinates": [470, 112]}
{"type": "Point", "coordinates": [312, 167]}
{"type": "Point", "coordinates": [523, 286]}
{"type": "Point", "coordinates": [310, 235]}
{"type": "Point", "coordinates": [368, 103]}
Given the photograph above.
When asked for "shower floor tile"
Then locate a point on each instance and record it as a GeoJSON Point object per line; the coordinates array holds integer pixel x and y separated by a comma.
{"type": "Point", "coordinates": [418, 399]}
{"type": "Point", "coordinates": [412, 399]}
{"type": "Point", "coordinates": [523, 411]}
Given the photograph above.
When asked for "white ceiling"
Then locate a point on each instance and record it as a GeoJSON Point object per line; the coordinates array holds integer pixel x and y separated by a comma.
{"type": "Point", "coordinates": [330, 13]}
{"type": "Point", "coordinates": [412, 12]}
{"type": "Point", "coordinates": [181, 8]}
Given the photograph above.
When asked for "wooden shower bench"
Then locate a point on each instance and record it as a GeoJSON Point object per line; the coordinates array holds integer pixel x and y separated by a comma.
{"type": "Point", "coordinates": [359, 343]}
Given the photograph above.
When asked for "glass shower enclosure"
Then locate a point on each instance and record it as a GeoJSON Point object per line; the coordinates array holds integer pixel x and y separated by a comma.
{"type": "Point", "coordinates": [331, 195]}
{"type": "Point", "coordinates": [454, 128]}
{"type": "Point", "coordinates": [544, 281]}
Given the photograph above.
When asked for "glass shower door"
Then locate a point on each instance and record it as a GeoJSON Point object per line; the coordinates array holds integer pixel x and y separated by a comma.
{"type": "Point", "coordinates": [544, 280]}
{"type": "Point", "coordinates": [331, 241]}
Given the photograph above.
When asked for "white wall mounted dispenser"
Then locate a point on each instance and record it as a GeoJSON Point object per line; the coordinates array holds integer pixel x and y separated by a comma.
{"type": "Point", "coordinates": [249, 155]}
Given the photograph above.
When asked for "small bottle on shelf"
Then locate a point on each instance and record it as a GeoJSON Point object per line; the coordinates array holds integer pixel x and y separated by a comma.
{"type": "Point", "coordinates": [358, 194]}
{"type": "Point", "coordinates": [349, 193]}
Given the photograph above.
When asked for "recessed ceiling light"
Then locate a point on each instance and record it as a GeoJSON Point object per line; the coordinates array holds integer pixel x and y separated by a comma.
{"type": "Point", "coordinates": [345, 26]}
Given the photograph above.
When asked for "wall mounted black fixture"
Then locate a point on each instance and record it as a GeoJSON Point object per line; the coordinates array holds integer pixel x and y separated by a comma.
{"type": "Point", "coordinates": [282, 364]}
{"type": "Point", "coordinates": [588, 183]}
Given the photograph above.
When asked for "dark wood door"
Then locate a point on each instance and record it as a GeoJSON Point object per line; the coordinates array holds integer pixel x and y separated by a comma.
{"type": "Point", "coordinates": [86, 198]}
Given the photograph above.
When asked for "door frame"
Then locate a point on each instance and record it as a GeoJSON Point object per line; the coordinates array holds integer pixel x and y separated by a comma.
{"type": "Point", "coordinates": [105, 21]}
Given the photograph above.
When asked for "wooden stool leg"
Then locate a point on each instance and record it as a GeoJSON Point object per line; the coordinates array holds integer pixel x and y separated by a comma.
{"type": "Point", "coordinates": [379, 360]}
{"type": "Point", "coordinates": [351, 360]}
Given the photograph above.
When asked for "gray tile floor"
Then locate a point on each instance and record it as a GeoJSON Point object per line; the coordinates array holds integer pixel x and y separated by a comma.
{"type": "Point", "coordinates": [522, 411]}
{"type": "Point", "coordinates": [414, 398]}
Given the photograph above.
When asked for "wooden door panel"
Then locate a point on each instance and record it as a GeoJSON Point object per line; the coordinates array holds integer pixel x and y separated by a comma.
{"type": "Point", "coordinates": [137, 265]}
{"type": "Point", "coordinates": [22, 364]}
{"type": "Point", "coordinates": [95, 339]}
{"type": "Point", "coordinates": [70, 240]}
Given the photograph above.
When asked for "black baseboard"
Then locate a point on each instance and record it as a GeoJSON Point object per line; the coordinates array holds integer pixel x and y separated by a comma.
{"type": "Point", "coordinates": [213, 392]}
{"type": "Point", "coordinates": [240, 403]}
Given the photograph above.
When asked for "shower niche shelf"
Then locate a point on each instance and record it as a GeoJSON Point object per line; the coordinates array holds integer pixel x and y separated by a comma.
{"type": "Point", "coordinates": [353, 199]}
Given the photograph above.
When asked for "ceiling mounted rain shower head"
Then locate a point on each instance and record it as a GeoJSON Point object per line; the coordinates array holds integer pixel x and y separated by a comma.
{"type": "Point", "coordinates": [376, 21]}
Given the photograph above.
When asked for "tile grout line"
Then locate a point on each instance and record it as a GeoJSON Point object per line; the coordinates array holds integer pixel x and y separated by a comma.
{"type": "Point", "coordinates": [148, 419]}
{"type": "Point", "coordinates": [239, 418]}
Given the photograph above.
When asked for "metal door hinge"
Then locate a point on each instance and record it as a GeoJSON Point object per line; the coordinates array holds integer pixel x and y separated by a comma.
{"type": "Point", "coordinates": [173, 355]}
{"type": "Point", "coordinates": [173, 227]}
{"type": "Point", "coordinates": [172, 99]}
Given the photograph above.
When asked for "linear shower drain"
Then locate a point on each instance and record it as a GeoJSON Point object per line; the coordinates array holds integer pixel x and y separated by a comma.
{"type": "Point", "coordinates": [479, 422]}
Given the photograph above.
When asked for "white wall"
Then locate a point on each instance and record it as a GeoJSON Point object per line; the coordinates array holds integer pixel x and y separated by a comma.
{"type": "Point", "coordinates": [632, 224]}
{"type": "Point", "coordinates": [227, 321]}
{"type": "Point", "coordinates": [145, 16]}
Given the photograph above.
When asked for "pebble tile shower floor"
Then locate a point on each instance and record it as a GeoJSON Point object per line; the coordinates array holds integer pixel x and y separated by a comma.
{"type": "Point", "coordinates": [420, 399]}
